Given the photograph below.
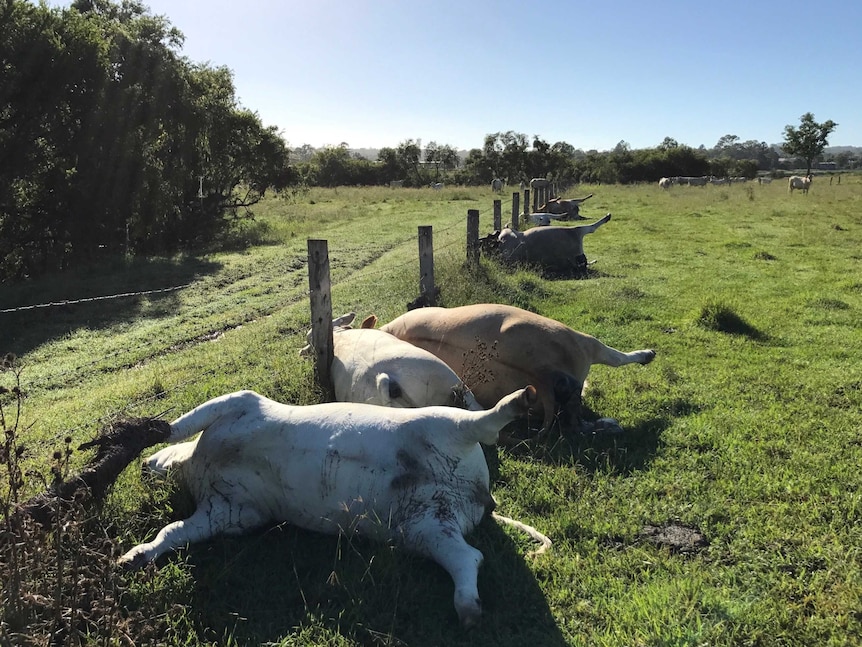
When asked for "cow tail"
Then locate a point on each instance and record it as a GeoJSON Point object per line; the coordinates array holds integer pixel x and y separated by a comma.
{"type": "Point", "coordinates": [532, 532]}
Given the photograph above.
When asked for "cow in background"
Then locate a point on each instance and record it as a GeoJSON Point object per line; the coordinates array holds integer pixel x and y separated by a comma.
{"type": "Point", "coordinates": [799, 182]}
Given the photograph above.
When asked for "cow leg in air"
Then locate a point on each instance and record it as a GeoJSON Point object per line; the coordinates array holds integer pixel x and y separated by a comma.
{"type": "Point", "coordinates": [602, 354]}
{"type": "Point", "coordinates": [207, 521]}
{"type": "Point", "coordinates": [583, 230]}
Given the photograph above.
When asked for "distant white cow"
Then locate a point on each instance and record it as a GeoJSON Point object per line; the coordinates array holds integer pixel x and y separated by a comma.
{"type": "Point", "coordinates": [436, 185]}
{"type": "Point", "coordinates": [374, 367]}
{"type": "Point", "coordinates": [414, 477]}
{"type": "Point", "coordinates": [799, 182]}
{"type": "Point", "coordinates": [664, 183]}
{"type": "Point", "coordinates": [496, 185]}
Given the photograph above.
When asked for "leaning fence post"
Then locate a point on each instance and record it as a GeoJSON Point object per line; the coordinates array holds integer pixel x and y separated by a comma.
{"type": "Point", "coordinates": [516, 207]}
{"type": "Point", "coordinates": [498, 215]}
{"type": "Point", "coordinates": [473, 237]}
{"type": "Point", "coordinates": [321, 314]}
{"type": "Point", "coordinates": [426, 265]}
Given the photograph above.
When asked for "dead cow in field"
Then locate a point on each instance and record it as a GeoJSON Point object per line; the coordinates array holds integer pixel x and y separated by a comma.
{"type": "Point", "coordinates": [569, 208]}
{"type": "Point", "coordinates": [415, 477]}
{"type": "Point", "coordinates": [556, 249]}
{"type": "Point", "coordinates": [528, 349]}
{"type": "Point", "coordinates": [374, 367]}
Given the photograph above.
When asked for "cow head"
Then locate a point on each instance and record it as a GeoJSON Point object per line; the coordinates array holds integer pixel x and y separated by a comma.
{"type": "Point", "coordinates": [341, 323]}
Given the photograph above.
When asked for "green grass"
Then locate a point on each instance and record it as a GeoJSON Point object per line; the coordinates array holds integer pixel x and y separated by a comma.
{"type": "Point", "coordinates": [746, 426]}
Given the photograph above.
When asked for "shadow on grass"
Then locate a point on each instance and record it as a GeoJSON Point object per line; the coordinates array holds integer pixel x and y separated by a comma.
{"type": "Point", "coordinates": [75, 294]}
{"type": "Point", "coordinates": [720, 317]}
{"type": "Point", "coordinates": [287, 582]}
{"type": "Point", "coordinates": [617, 453]}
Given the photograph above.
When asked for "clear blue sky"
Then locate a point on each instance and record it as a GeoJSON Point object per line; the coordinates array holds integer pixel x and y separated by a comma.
{"type": "Point", "coordinates": [374, 73]}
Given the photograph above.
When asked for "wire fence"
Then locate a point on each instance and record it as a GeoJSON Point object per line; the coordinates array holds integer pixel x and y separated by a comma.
{"type": "Point", "coordinates": [206, 332]}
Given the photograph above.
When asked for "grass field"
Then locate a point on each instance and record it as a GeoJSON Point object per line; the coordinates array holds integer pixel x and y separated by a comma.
{"type": "Point", "coordinates": [747, 427]}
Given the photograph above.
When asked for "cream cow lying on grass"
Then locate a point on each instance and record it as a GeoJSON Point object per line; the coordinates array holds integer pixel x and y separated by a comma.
{"type": "Point", "coordinates": [415, 477]}
{"type": "Point", "coordinates": [527, 349]}
{"type": "Point", "coordinates": [374, 367]}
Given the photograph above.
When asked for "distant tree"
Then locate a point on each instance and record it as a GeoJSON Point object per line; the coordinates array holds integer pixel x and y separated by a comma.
{"type": "Point", "coordinates": [303, 153]}
{"type": "Point", "coordinates": [409, 153]}
{"type": "Point", "coordinates": [442, 157]}
{"type": "Point", "coordinates": [809, 140]}
{"type": "Point", "coordinates": [727, 145]}
{"type": "Point", "coordinates": [668, 143]}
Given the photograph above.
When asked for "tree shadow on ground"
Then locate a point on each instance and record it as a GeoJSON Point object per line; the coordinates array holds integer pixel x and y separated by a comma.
{"type": "Point", "coordinates": [70, 301]}
{"type": "Point", "coordinates": [285, 582]}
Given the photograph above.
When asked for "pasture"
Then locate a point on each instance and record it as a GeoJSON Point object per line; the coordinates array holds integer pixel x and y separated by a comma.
{"type": "Point", "coordinates": [746, 427]}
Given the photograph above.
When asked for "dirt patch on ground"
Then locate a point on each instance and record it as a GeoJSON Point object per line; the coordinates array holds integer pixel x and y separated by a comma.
{"type": "Point", "coordinates": [675, 536]}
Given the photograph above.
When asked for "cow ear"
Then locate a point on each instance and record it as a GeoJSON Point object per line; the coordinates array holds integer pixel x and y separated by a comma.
{"type": "Point", "coordinates": [529, 397]}
{"type": "Point", "coordinates": [344, 320]}
{"type": "Point", "coordinates": [369, 322]}
{"type": "Point", "coordinates": [388, 389]}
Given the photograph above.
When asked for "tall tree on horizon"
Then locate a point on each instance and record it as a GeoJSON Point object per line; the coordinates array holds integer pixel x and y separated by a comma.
{"type": "Point", "coordinates": [809, 140]}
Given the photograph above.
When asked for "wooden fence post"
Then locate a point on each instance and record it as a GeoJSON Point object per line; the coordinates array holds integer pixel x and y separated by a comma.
{"type": "Point", "coordinates": [321, 314]}
{"type": "Point", "coordinates": [498, 215]}
{"type": "Point", "coordinates": [516, 207]}
{"type": "Point", "coordinates": [426, 265]}
{"type": "Point", "coordinates": [526, 201]}
{"type": "Point", "coordinates": [473, 237]}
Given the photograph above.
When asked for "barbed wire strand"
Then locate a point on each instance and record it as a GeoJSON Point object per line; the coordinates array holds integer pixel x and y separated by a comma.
{"type": "Point", "coordinates": [207, 331]}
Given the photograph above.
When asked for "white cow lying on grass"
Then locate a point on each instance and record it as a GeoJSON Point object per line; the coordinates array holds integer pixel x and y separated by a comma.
{"type": "Point", "coordinates": [415, 477]}
{"type": "Point", "coordinates": [374, 367]}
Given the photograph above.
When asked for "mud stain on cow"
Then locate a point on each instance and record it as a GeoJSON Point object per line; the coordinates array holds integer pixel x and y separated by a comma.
{"type": "Point", "coordinates": [410, 471]}
{"type": "Point", "coordinates": [330, 467]}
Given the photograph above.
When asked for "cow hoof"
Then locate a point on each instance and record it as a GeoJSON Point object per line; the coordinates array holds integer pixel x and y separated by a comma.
{"type": "Point", "coordinates": [602, 426]}
{"type": "Point", "coordinates": [132, 561]}
{"type": "Point", "coordinates": [470, 615]}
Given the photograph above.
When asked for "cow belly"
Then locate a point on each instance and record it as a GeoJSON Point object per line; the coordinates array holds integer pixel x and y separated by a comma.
{"type": "Point", "coordinates": [372, 488]}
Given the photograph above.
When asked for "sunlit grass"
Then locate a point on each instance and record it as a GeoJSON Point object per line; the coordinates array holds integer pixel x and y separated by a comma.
{"type": "Point", "coordinates": [746, 426]}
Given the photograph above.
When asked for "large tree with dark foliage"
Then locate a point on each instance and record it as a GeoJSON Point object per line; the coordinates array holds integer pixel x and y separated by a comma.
{"type": "Point", "coordinates": [809, 140]}
{"type": "Point", "coordinates": [111, 141]}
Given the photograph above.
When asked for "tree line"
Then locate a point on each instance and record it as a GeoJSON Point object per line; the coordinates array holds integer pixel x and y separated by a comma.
{"type": "Point", "coordinates": [514, 157]}
{"type": "Point", "coordinates": [111, 141]}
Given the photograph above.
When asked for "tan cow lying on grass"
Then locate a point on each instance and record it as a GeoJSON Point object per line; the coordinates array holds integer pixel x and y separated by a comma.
{"type": "Point", "coordinates": [497, 349]}
{"type": "Point", "coordinates": [415, 477]}
{"type": "Point", "coordinates": [374, 367]}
